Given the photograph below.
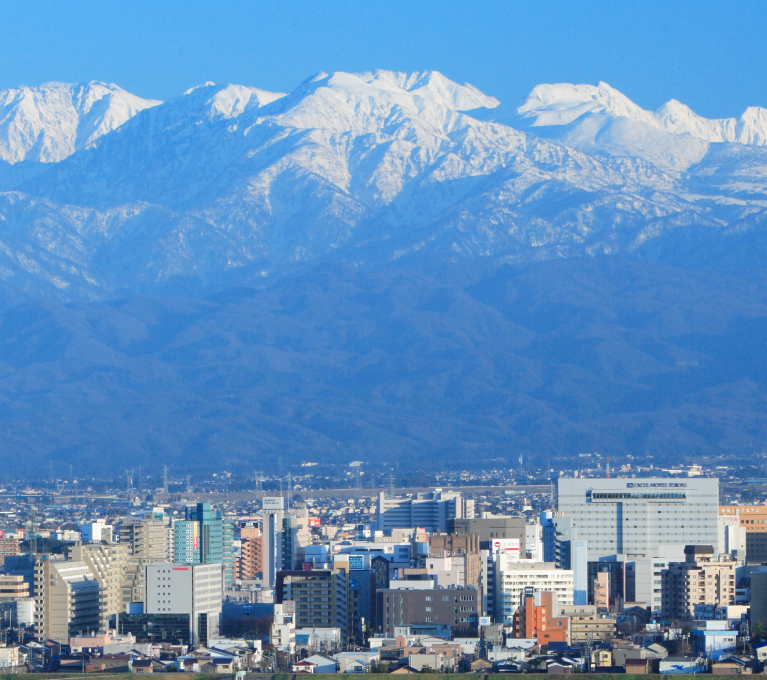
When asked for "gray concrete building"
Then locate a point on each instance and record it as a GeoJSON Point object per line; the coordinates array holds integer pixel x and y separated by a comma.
{"type": "Point", "coordinates": [489, 528]}
{"type": "Point", "coordinates": [458, 608]}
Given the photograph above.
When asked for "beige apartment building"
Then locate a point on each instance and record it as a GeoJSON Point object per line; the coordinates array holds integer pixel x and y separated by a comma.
{"type": "Point", "coordinates": [67, 599]}
{"type": "Point", "coordinates": [13, 587]}
{"type": "Point", "coordinates": [586, 624]}
{"type": "Point", "coordinates": [700, 580]}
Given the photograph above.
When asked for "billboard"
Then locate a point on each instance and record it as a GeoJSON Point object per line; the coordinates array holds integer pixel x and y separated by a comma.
{"type": "Point", "coordinates": [196, 535]}
{"type": "Point", "coordinates": [356, 562]}
{"type": "Point", "coordinates": [314, 522]}
{"type": "Point", "coordinates": [506, 545]}
{"type": "Point", "coordinates": [2, 533]}
{"type": "Point", "coordinates": [273, 503]}
{"type": "Point", "coordinates": [484, 620]}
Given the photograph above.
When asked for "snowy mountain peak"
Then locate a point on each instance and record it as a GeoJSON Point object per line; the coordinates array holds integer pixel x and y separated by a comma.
{"type": "Point", "coordinates": [50, 122]}
{"type": "Point", "coordinates": [563, 104]}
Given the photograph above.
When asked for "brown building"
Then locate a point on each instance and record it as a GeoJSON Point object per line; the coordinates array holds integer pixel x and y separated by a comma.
{"type": "Point", "coordinates": [463, 548]}
{"type": "Point", "coordinates": [454, 607]}
{"type": "Point", "coordinates": [752, 518]}
{"type": "Point", "coordinates": [8, 546]}
{"type": "Point", "coordinates": [537, 618]}
{"type": "Point", "coordinates": [699, 580]}
{"type": "Point", "coordinates": [250, 562]}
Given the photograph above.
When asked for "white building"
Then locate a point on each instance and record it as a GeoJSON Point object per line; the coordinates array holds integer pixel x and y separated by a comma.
{"type": "Point", "coordinates": [430, 511]}
{"type": "Point", "coordinates": [194, 589]}
{"type": "Point", "coordinates": [513, 579]}
{"type": "Point", "coordinates": [93, 532]}
{"type": "Point", "coordinates": [285, 534]}
{"type": "Point", "coordinates": [635, 516]}
{"type": "Point", "coordinates": [732, 537]}
{"type": "Point", "coordinates": [283, 631]}
{"type": "Point", "coordinates": [643, 576]}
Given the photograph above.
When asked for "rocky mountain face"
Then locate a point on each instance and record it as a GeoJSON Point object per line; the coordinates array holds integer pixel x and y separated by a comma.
{"type": "Point", "coordinates": [386, 260]}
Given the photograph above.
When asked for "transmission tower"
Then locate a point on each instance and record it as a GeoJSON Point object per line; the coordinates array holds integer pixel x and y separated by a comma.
{"type": "Point", "coordinates": [165, 479]}
{"type": "Point", "coordinates": [189, 483]}
{"type": "Point", "coordinates": [391, 485]}
{"type": "Point", "coordinates": [129, 479]}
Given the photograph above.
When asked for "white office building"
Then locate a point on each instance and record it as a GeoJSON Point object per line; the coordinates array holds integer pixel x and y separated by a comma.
{"type": "Point", "coordinates": [635, 516]}
{"type": "Point", "coordinates": [512, 579]}
{"type": "Point", "coordinates": [194, 589]}
{"type": "Point", "coordinates": [286, 534]}
{"type": "Point", "coordinates": [430, 511]}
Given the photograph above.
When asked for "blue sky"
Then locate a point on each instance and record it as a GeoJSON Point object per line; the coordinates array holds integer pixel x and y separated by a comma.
{"type": "Point", "coordinates": [709, 55]}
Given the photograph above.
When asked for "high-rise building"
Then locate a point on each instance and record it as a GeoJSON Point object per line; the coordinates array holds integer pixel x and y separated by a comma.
{"type": "Point", "coordinates": [514, 579]}
{"type": "Point", "coordinates": [147, 542]}
{"type": "Point", "coordinates": [321, 598]}
{"type": "Point", "coordinates": [251, 559]}
{"type": "Point", "coordinates": [700, 582]}
{"type": "Point", "coordinates": [538, 617]}
{"type": "Point", "coordinates": [431, 511]}
{"type": "Point", "coordinates": [193, 589]}
{"type": "Point", "coordinates": [67, 599]}
{"type": "Point", "coordinates": [635, 516]}
{"type": "Point", "coordinates": [204, 537]}
{"type": "Point", "coordinates": [144, 537]}
{"type": "Point", "coordinates": [108, 563]}
{"type": "Point", "coordinates": [285, 535]}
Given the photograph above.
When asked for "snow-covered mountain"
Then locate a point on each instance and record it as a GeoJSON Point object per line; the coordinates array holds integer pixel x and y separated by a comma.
{"type": "Point", "coordinates": [52, 121]}
{"type": "Point", "coordinates": [599, 118]}
{"type": "Point", "coordinates": [229, 184]}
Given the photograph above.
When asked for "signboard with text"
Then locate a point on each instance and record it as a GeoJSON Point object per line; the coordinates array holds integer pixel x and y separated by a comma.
{"type": "Point", "coordinates": [273, 503]}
